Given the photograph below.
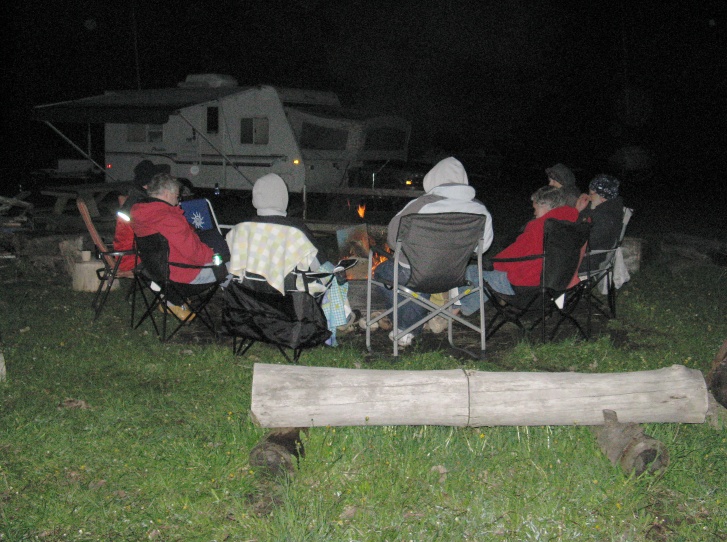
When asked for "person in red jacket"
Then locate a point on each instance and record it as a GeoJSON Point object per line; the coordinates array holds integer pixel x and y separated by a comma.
{"type": "Point", "coordinates": [548, 202]}
{"type": "Point", "coordinates": [123, 234]}
{"type": "Point", "coordinates": [160, 213]}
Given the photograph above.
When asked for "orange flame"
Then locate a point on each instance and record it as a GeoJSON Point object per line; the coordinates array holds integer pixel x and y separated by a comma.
{"type": "Point", "coordinates": [361, 210]}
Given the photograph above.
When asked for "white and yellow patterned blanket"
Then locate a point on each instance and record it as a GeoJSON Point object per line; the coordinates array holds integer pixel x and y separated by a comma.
{"type": "Point", "coordinates": [270, 250]}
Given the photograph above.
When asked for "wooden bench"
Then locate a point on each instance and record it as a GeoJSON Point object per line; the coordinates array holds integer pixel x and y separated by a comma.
{"type": "Point", "coordinates": [91, 193]}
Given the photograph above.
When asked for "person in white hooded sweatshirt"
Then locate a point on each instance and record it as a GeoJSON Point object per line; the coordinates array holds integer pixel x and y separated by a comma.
{"type": "Point", "coordinates": [447, 191]}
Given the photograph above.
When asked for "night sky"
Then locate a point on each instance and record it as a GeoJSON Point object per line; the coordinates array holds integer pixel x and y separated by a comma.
{"type": "Point", "coordinates": [540, 82]}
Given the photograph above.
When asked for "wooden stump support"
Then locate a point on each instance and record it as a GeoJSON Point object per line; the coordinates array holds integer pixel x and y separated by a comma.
{"type": "Point", "coordinates": [298, 396]}
{"type": "Point", "coordinates": [627, 445]}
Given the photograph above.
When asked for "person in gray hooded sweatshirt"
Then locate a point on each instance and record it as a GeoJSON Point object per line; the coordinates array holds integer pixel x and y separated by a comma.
{"type": "Point", "coordinates": [270, 199]}
{"type": "Point", "coordinates": [447, 190]}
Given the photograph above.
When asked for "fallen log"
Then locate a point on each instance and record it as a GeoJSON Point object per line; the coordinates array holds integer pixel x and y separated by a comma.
{"type": "Point", "coordinates": [297, 396]}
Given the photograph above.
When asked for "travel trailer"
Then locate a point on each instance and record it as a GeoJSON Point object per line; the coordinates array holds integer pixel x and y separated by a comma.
{"type": "Point", "coordinates": [218, 134]}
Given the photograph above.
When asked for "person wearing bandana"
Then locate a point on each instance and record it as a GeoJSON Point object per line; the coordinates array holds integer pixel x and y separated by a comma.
{"type": "Point", "coordinates": [603, 208]}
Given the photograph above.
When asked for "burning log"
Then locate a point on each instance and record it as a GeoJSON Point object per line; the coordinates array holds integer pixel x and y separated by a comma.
{"type": "Point", "coordinates": [297, 396]}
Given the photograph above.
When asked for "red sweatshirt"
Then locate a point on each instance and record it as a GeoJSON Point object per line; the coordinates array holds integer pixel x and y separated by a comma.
{"type": "Point", "coordinates": [156, 216]}
{"type": "Point", "coordinates": [529, 242]}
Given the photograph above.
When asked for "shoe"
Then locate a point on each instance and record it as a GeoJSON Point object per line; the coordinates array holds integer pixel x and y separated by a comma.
{"type": "Point", "coordinates": [181, 312]}
{"type": "Point", "coordinates": [438, 324]}
{"type": "Point", "coordinates": [404, 341]}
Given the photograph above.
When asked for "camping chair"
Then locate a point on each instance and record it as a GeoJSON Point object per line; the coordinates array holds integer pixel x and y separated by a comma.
{"type": "Point", "coordinates": [152, 284]}
{"type": "Point", "coordinates": [438, 248]}
{"type": "Point", "coordinates": [110, 260]}
{"type": "Point", "coordinates": [601, 279]}
{"type": "Point", "coordinates": [264, 303]}
{"type": "Point", "coordinates": [201, 216]}
{"type": "Point", "coordinates": [559, 291]}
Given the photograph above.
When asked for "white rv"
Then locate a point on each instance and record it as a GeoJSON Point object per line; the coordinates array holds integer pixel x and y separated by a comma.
{"type": "Point", "coordinates": [218, 134]}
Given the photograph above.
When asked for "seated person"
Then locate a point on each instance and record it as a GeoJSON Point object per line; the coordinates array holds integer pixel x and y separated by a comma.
{"type": "Point", "coordinates": [270, 199]}
{"type": "Point", "coordinates": [548, 202]}
{"type": "Point", "coordinates": [123, 234]}
{"type": "Point", "coordinates": [604, 208]}
{"type": "Point", "coordinates": [561, 176]}
{"type": "Point", "coordinates": [160, 213]}
{"type": "Point", "coordinates": [447, 191]}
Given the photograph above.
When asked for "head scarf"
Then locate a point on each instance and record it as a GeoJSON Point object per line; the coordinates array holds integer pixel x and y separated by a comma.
{"type": "Point", "coordinates": [270, 195]}
{"type": "Point", "coordinates": [562, 174]}
{"type": "Point", "coordinates": [605, 186]}
{"type": "Point", "coordinates": [447, 171]}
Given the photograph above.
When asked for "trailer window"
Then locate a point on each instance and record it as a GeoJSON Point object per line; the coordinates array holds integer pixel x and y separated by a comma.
{"type": "Point", "coordinates": [213, 120]}
{"type": "Point", "coordinates": [144, 133]}
{"type": "Point", "coordinates": [385, 138]}
{"type": "Point", "coordinates": [254, 131]}
{"type": "Point", "coordinates": [322, 138]}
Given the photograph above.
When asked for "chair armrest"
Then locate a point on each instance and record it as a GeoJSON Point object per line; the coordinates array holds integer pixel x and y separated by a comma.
{"type": "Point", "coordinates": [519, 259]}
{"type": "Point", "coordinates": [118, 253]}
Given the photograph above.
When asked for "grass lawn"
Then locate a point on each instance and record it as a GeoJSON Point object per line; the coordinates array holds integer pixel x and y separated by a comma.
{"type": "Point", "coordinates": [106, 434]}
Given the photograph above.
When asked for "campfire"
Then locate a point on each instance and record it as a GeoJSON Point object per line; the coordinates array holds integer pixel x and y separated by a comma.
{"type": "Point", "coordinates": [354, 242]}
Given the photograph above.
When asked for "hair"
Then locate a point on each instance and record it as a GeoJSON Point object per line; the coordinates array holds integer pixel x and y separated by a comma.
{"type": "Point", "coordinates": [549, 195]}
{"type": "Point", "coordinates": [161, 182]}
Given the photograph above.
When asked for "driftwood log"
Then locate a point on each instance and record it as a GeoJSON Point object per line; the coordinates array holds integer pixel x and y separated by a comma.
{"type": "Point", "coordinates": [627, 445]}
{"type": "Point", "coordinates": [297, 396]}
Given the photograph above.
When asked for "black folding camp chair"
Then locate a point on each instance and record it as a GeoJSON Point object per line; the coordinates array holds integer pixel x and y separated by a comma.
{"type": "Point", "coordinates": [601, 277]}
{"type": "Point", "coordinates": [153, 285]}
{"type": "Point", "coordinates": [438, 248]}
{"type": "Point", "coordinates": [201, 216]}
{"type": "Point", "coordinates": [255, 312]}
{"type": "Point", "coordinates": [288, 317]}
{"type": "Point", "coordinates": [558, 294]}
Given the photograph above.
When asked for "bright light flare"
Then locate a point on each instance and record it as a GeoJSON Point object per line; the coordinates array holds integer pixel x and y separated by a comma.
{"type": "Point", "coordinates": [361, 210]}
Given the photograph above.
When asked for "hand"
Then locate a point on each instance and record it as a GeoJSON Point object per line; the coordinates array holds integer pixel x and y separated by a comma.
{"type": "Point", "coordinates": [583, 201]}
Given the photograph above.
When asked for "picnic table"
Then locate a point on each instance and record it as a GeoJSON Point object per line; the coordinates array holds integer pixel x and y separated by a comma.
{"type": "Point", "coordinates": [91, 193]}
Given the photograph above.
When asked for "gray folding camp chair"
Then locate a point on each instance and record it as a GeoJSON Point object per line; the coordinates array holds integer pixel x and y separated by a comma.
{"type": "Point", "coordinates": [438, 248]}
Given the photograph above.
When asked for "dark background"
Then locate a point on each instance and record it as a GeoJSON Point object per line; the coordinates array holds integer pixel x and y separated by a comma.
{"type": "Point", "coordinates": [536, 82]}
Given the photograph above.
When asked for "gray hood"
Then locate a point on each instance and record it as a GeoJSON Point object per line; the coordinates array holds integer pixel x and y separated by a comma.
{"type": "Point", "coordinates": [447, 171]}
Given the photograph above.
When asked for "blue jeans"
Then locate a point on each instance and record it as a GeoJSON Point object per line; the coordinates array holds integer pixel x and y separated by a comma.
{"type": "Point", "coordinates": [496, 279]}
{"type": "Point", "coordinates": [410, 313]}
{"type": "Point", "coordinates": [207, 275]}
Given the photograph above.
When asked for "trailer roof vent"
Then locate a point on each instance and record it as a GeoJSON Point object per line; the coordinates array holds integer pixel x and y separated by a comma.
{"type": "Point", "coordinates": [208, 80]}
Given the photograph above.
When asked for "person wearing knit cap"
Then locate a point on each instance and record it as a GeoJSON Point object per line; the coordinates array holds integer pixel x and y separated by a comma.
{"type": "Point", "coordinates": [603, 208]}
{"type": "Point", "coordinates": [447, 190]}
{"type": "Point", "coordinates": [561, 176]}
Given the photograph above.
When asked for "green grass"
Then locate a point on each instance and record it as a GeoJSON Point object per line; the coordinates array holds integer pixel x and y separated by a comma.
{"type": "Point", "coordinates": [162, 451]}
